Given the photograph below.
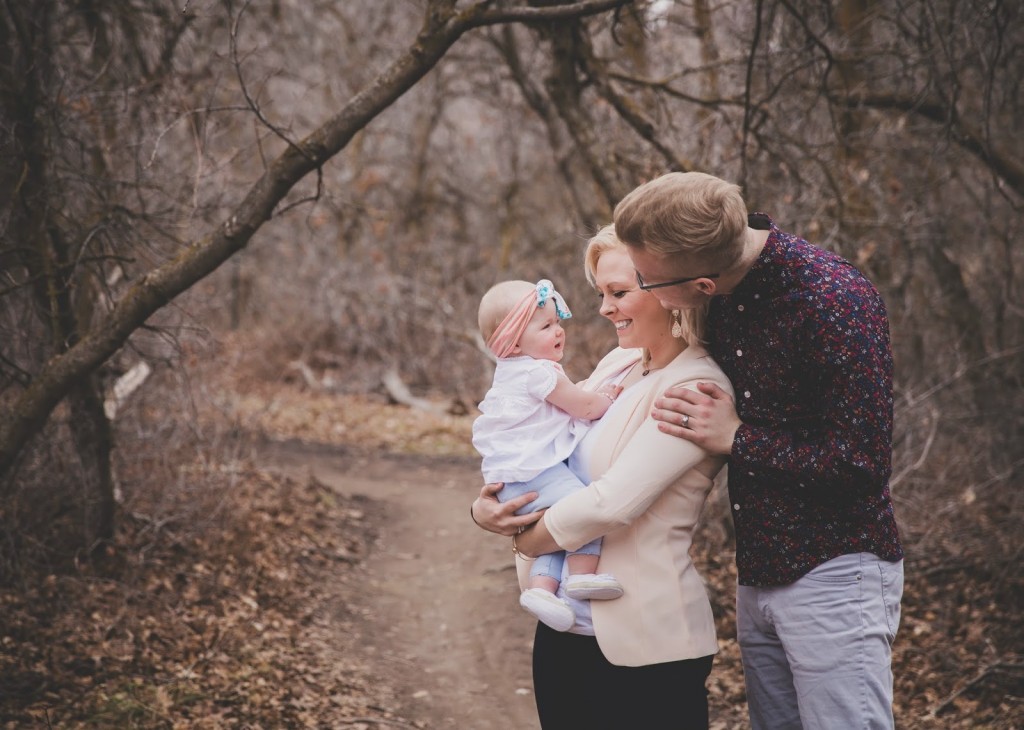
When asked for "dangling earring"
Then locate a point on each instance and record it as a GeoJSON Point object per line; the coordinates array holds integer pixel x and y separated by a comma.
{"type": "Point", "coordinates": [677, 324]}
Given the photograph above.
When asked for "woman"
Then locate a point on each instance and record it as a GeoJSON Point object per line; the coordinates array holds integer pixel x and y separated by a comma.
{"type": "Point", "coordinates": [644, 658]}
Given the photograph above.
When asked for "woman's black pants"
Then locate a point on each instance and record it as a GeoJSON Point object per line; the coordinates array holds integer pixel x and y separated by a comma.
{"type": "Point", "coordinates": [578, 689]}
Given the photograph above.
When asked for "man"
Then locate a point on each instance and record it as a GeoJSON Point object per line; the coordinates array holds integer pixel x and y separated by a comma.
{"type": "Point", "coordinates": [804, 338]}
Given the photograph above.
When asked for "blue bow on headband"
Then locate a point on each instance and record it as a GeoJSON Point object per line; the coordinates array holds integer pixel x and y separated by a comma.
{"type": "Point", "coordinates": [545, 291]}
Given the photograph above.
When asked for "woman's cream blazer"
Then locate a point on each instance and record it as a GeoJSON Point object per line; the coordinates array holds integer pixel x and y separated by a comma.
{"type": "Point", "coordinates": [647, 495]}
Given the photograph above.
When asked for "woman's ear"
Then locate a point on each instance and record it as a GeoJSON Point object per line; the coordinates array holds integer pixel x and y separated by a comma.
{"type": "Point", "coordinates": [706, 286]}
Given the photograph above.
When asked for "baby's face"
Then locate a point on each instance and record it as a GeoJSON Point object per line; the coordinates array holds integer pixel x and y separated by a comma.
{"type": "Point", "coordinates": [544, 338]}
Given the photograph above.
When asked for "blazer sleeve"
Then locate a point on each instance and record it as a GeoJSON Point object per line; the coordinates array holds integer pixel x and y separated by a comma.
{"type": "Point", "coordinates": [649, 463]}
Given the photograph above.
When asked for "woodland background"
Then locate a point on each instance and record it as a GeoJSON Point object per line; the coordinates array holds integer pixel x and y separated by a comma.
{"type": "Point", "coordinates": [310, 196]}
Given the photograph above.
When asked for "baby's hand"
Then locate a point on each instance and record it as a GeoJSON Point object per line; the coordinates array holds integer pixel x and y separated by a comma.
{"type": "Point", "coordinates": [610, 391]}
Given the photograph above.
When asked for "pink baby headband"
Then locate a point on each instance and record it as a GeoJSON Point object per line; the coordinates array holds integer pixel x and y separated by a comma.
{"type": "Point", "coordinates": [507, 335]}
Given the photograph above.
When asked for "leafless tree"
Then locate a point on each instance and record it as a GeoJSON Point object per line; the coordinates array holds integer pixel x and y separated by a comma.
{"type": "Point", "coordinates": [885, 131]}
{"type": "Point", "coordinates": [83, 203]}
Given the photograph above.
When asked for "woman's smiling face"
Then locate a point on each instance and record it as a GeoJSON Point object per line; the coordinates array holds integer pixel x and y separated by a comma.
{"type": "Point", "coordinates": [639, 319]}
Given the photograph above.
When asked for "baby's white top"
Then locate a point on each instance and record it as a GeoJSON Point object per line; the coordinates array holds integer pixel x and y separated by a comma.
{"type": "Point", "coordinates": [519, 434]}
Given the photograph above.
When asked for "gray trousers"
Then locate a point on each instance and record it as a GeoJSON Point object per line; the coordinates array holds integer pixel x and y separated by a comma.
{"type": "Point", "coordinates": [817, 653]}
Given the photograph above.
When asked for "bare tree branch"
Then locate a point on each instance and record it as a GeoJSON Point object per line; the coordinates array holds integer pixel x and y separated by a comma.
{"type": "Point", "coordinates": [1009, 167]}
{"type": "Point", "coordinates": [441, 29]}
{"type": "Point", "coordinates": [747, 87]}
{"type": "Point", "coordinates": [631, 112]}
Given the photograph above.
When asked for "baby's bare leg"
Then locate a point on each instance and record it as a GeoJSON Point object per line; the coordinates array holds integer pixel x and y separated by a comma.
{"type": "Point", "coordinates": [544, 582]}
{"type": "Point", "coordinates": [580, 564]}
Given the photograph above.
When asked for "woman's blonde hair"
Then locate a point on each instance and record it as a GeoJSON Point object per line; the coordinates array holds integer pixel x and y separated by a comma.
{"type": "Point", "coordinates": [691, 321]}
{"type": "Point", "coordinates": [690, 214]}
{"type": "Point", "coordinates": [604, 240]}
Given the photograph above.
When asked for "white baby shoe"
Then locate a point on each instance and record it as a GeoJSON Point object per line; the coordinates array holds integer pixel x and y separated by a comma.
{"type": "Point", "coordinates": [549, 609]}
{"type": "Point", "coordinates": [593, 586]}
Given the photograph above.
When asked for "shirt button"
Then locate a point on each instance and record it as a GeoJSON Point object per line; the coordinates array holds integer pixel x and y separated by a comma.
{"type": "Point", "coordinates": [750, 473]}
{"type": "Point", "coordinates": [739, 353]}
{"type": "Point", "coordinates": [736, 507]}
{"type": "Point", "coordinates": [746, 394]}
{"type": "Point", "coordinates": [740, 307]}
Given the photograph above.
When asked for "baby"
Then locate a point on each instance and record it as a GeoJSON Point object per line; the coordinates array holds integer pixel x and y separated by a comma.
{"type": "Point", "coordinates": [531, 419]}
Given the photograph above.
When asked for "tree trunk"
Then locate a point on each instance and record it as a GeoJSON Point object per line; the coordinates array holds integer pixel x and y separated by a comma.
{"type": "Point", "coordinates": [93, 442]}
{"type": "Point", "coordinates": [49, 259]}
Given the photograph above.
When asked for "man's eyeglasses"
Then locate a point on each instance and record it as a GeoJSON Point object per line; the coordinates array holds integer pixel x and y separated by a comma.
{"type": "Point", "coordinates": [647, 287]}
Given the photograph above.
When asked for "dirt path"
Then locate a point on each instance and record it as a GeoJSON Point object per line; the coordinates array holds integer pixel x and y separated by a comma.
{"type": "Point", "coordinates": [440, 627]}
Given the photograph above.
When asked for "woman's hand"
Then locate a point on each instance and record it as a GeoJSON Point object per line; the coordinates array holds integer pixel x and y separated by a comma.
{"type": "Point", "coordinates": [707, 418]}
{"type": "Point", "coordinates": [535, 540]}
{"type": "Point", "coordinates": [501, 517]}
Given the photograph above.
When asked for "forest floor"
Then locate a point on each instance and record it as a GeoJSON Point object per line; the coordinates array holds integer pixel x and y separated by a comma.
{"type": "Point", "coordinates": [439, 625]}
{"type": "Point", "coordinates": [338, 582]}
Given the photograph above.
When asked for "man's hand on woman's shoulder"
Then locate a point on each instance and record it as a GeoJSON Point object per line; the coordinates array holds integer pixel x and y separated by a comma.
{"type": "Point", "coordinates": [707, 416]}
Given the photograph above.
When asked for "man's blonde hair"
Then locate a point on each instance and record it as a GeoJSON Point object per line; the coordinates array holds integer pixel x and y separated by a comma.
{"type": "Point", "coordinates": [688, 214]}
{"type": "Point", "coordinates": [498, 301]}
{"type": "Point", "coordinates": [691, 320]}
